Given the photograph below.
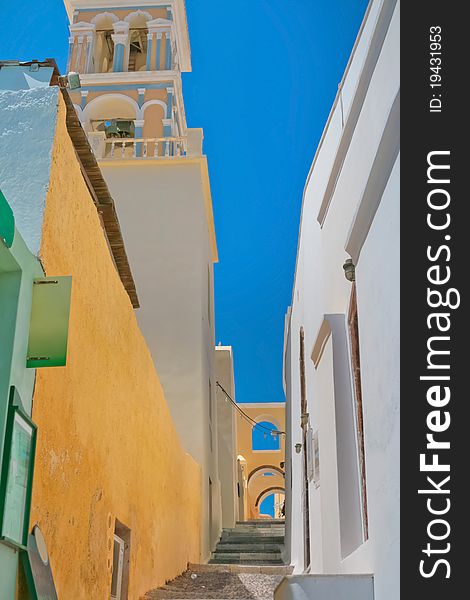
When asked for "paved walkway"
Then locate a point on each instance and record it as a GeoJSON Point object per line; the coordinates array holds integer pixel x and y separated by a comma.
{"type": "Point", "coordinates": [222, 582]}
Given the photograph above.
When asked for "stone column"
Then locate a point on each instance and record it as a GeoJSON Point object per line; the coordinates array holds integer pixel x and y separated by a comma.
{"type": "Point", "coordinates": [140, 96]}
{"type": "Point", "coordinates": [70, 66]}
{"type": "Point", "coordinates": [78, 59]}
{"type": "Point", "coordinates": [159, 51]}
{"type": "Point", "coordinates": [120, 38]}
{"type": "Point", "coordinates": [81, 44]}
{"type": "Point", "coordinates": [84, 94]}
{"type": "Point", "coordinates": [120, 44]}
{"type": "Point", "coordinates": [138, 129]}
{"type": "Point", "coordinates": [168, 132]}
{"type": "Point", "coordinates": [89, 53]}
{"type": "Point", "coordinates": [149, 51]}
{"type": "Point", "coordinates": [169, 108]}
{"type": "Point", "coordinates": [167, 51]}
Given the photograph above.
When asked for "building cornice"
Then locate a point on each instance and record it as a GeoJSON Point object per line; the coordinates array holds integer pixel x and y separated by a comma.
{"type": "Point", "coordinates": [131, 77]}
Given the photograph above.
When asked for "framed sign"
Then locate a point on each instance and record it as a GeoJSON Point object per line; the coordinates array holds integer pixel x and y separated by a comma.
{"type": "Point", "coordinates": [17, 474]}
{"type": "Point", "coordinates": [49, 325]}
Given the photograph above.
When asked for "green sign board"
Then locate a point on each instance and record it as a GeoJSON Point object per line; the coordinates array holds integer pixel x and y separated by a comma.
{"type": "Point", "coordinates": [17, 474]}
{"type": "Point", "coordinates": [49, 326]}
{"type": "Point", "coordinates": [7, 222]}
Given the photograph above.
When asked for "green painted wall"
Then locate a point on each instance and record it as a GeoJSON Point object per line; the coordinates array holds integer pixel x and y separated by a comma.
{"type": "Point", "coordinates": [18, 268]}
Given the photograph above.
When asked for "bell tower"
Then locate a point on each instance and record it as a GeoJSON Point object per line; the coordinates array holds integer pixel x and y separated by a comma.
{"type": "Point", "coordinates": [130, 62]}
{"type": "Point", "coordinates": [130, 55]}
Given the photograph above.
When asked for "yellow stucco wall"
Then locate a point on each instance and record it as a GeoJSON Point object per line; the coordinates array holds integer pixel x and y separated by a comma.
{"type": "Point", "coordinates": [107, 447]}
{"type": "Point", "coordinates": [254, 459]}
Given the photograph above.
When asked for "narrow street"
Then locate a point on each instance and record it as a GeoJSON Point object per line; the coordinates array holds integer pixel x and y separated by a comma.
{"type": "Point", "coordinates": [247, 564]}
{"type": "Point", "coordinates": [200, 300]}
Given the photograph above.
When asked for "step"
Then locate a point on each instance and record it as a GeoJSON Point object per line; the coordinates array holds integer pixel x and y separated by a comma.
{"type": "Point", "coordinates": [258, 527]}
{"type": "Point", "coordinates": [262, 521]}
{"type": "Point", "coordinates": [238, 568]}
{"type": "Point", "coordinates": [248, 539]}
{"type": "Point", "coordinates": [259, 556]}
{"type": "Point", "coordinates": [254, 534]}
{"type": "Point", "coordinates": [236, 561]}
{"type": "Point", "coordinates": [258, 547]}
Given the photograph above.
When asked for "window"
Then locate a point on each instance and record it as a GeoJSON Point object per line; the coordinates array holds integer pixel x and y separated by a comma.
{"type": "Point", "coordinates": [104, 50]}
{"type": "Point", "coordinates": [121, 562]}
{"type": "Point", "coordinates": [16, 479]}
{"type": "Point", "coordinates": [313, 457]}
{"type": "Point", "coordinates": [137, 49]}
{"type": "Point", "coordinates": [262, 438]}
{"type": "Point", "coordinates": [118, 564]}
{"type": "Point", "coordinates": [357, 393]}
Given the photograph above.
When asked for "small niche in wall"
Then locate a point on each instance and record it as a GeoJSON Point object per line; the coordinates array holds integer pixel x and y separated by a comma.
{"type": "Point", "coordinates": [121, 562]}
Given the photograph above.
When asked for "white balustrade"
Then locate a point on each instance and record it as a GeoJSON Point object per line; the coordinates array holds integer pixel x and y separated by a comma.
{"type": "Point", "coordinates": [140, 148]}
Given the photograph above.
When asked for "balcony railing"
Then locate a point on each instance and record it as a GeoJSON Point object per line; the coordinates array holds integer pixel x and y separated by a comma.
{"type": "Point", "coordinates": [138, 148]}
{"type": "Point", "coordinates": [146, 148]}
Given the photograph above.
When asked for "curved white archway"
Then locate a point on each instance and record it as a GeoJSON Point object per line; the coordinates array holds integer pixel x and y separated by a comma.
{"type": "Point", "coordinates": [261, 471]}
{"type": "Point", "coordinates": [105, 16]}
{"type": "Point", "coordinates": [268, 418]}
{"type": "Point", "coordinates": [268, 492]}
{"type": "Point", "coordinates": [138, 14]}
{"type": "Point", "coordinates": [255, 479]}
{"type": "Point", "coordinates": [145, 105]}
{"type": "Point", "coordinates": [106, 98]}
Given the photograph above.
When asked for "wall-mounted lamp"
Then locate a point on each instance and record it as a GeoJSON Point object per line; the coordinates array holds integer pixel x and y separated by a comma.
{"type": "Point", "coordinates": [298, 448]}
{"type": "Point", "coordinates": [349, 270]}
{"type": "Point", "coordinates": [72, 81]}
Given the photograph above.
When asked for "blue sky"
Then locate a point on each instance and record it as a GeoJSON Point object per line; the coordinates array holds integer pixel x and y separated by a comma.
{"type": "Point", "coordinates": [265, 73]}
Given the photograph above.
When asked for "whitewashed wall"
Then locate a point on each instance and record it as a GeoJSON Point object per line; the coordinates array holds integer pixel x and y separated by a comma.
{"type": "Point", "coordinates": [364, 214]}
{"type": "Point", "coordinates": [27, 129]}
{"type": "Point", "coordinates": [163, 221]}
{"type": "Point", "coordinates": [227, 435]}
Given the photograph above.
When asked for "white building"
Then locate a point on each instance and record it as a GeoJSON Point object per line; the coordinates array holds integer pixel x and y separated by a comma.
{"type": "Point", "coordinates": [130, 55]}
{"type": "Point", "coordinates": [341, 369]}
{"type": "Point", "coordinates": [227, 435]}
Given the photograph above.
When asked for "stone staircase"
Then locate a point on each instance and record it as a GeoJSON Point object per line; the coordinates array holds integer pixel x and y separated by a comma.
{"type": "Point", "coordinates": [223, 582]}
{"type": "Point", "coordinates": [246, 565]}
{"type": "Point", "coordinates": [251, 543]}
